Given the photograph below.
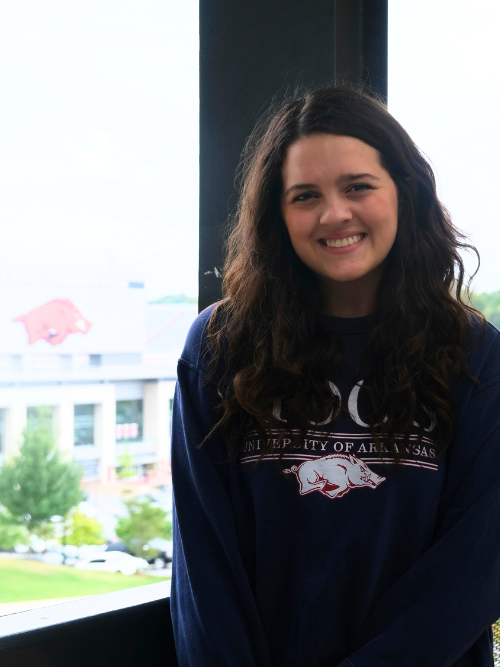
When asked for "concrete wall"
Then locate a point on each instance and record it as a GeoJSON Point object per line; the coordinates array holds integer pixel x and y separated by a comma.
{"type": "Point", "coordinates": [157, 397]}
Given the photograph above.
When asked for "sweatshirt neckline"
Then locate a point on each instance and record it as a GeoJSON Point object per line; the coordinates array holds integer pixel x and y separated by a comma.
{"type": "Point", "coordinates": [351, 325]}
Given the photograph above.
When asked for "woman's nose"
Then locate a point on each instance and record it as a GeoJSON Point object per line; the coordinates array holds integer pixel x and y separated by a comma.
{"type": "Point", "coordinates": [336, 211]}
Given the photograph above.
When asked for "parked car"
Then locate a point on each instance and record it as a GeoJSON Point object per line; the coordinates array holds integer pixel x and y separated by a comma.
{"type": "Point", "coordinates": [70, 551]}
{"type": "Point", "coordinates": [52, 556]}
{"type": "Point", "coordinates": [116, 546]}
{"type": "Point", "coordinates": [87, 550]}
{"type": "Point", "coordinates": [113, 561]}
{"type": "Point", "coordinates": [160, 561]}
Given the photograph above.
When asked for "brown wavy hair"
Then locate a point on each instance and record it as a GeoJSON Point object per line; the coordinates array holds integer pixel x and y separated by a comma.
{"type": "Point", "coordinates": [269, 337]}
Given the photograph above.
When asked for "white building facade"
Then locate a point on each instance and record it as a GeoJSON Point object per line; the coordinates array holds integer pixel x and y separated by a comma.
{"type": "Point", "coordinates": [89, 419]}
{"type": "Point", "coordinates": [100, 360]}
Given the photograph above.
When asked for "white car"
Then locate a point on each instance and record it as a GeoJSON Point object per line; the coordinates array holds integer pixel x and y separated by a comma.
{"type": "Point", "coordinates": [52, 557]}
{"type": "Point", "coordinates": [113, 561]}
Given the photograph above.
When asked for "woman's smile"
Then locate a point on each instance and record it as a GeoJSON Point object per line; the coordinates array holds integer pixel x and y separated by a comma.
{"type": "Point", "coordinates": [342, 244]}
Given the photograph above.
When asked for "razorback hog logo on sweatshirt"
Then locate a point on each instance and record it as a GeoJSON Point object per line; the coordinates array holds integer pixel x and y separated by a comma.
{"type": "Point", "coordinates": [53, 321]}
{"type": "Point", "coordinates": [334, 475]}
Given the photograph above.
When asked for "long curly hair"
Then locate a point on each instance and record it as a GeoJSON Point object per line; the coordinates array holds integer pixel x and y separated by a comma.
{"type": "Point", "coordinates": [269, 338]}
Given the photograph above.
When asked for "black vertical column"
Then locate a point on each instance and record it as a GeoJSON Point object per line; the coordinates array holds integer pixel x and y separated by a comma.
{"type": "Point", "coordinates": [251, 53]}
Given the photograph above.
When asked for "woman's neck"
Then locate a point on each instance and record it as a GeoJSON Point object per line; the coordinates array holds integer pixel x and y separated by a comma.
{"type": "Point", "coordinates": [353, 298]}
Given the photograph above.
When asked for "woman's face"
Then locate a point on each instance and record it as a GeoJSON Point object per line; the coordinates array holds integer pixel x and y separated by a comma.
{"type": "Point", "coordinates": [340, 207]}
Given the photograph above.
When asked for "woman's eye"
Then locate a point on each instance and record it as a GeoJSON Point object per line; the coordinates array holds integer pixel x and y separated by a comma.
{"type": "Point", "coordinates": [305, 196]}
{"type": "Point", "coordinates": [359, 187]}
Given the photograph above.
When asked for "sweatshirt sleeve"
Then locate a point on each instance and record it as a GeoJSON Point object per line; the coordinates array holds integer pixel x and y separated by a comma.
{"type": "Point", "coordinates": [215, 618]}
{"type": "Point", "coordinates": [434, 613]}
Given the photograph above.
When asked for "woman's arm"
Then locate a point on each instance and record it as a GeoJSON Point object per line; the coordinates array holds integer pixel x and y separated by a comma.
{"type": "Point", "coordinates": [437, 610]}
{"type": "Point", "coordinates": [215, 619]}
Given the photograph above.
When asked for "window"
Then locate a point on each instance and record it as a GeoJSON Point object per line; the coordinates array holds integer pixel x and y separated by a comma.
{"type": "Point", "coordinates": [446, 96]}
{"type": "Point", "coordinates": [129, 421]}
{"type": "Point", "coordinates": [38, 415]}
{"type": "Point", "coordinates": [90, 469]}
{"type": "Point", "coordinates": [84, 424]}
{"type": "Point", "coordinates": [100, 119]}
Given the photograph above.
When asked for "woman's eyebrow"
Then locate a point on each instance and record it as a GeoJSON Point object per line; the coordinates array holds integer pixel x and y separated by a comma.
{"type": "Point", "coordinates": [300, 186]}
{"type": "Point", "coordinates": [354, 177]}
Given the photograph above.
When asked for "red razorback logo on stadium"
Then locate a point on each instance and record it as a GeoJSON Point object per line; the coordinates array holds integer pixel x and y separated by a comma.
{"type": "Point", "coordinates": [53, 321]}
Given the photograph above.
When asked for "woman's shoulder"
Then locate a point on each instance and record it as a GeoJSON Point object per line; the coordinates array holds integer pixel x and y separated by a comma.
{"type": "Point", "coordinates": [195, 347]}
{"type": "Point", "coordinates": [483, 357]}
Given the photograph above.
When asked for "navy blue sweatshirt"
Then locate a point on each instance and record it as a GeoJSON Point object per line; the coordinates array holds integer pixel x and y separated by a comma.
{"type": "Point", "coordinates": [340, 560]}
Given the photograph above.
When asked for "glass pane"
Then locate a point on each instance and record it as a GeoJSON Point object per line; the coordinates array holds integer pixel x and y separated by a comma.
{"type": "Point", "coordinates": [444, 88]}
{"type": "Point", "coordinates": [84, 424]}
{"type": "Point", "coordinates": [99, 194]}
{"type": "Point", "coordinates": [38, 416]}
{"type": "Point", "coordinates": [129, 421]}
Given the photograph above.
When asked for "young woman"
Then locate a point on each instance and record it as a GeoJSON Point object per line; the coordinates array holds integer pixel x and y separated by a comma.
{"type": "Point", "coordinates": [336, 436]}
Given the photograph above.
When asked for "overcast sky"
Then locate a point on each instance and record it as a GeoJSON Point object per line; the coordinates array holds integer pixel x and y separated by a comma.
{"type": "Point", "coordinates": [444, 88]}
{"type": "Point", "coordinates": [99, 130]}
{"type": "Point", "coordinates": [99, 139]}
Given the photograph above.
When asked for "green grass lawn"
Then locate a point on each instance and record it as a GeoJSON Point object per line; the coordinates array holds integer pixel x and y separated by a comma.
{"type": "Point", "coordinates": [22, 580]}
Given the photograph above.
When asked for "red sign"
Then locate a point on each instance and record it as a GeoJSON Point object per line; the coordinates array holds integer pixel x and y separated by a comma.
{"type": "Point", "coordinates": [53, 321]}
{"type": "Point", "coordinates": [127, 431]}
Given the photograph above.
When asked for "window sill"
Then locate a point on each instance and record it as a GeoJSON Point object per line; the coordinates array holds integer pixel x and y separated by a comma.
{"type": "Point", "coordinates": [129, 627]}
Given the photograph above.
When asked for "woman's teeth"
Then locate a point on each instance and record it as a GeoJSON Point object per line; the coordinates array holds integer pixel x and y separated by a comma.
{"type": "Point", "coordinates": [342, 243]}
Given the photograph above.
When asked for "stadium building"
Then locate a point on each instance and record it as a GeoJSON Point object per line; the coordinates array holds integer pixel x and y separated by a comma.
{"type": "Point", "coordinates": [102, 362]}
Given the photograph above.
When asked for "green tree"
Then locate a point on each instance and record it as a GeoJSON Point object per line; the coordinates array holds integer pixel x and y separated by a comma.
{"type": "Point", "coordinates": [11, 532]}
{"type": "Point", "coordinates": [126, 463]}
{"type": "Point", "coordinates": [84, 529]}
{"type": "Point", "coordinates": [44, 531]}
{"type": "Point", "coordinates": [38, 483]}
{"type": "Point", "coordinates": [489, 304]}
{"type": "Point", "coordinates": [144, 522]}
